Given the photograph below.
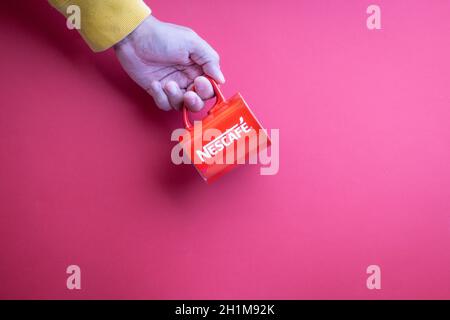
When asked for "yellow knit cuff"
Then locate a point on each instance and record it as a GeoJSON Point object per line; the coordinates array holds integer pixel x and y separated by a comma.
{"type": "Point", "coordinates": [105, 22]}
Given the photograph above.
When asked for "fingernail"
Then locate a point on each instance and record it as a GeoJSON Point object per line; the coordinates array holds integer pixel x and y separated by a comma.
{"type": "Point", "coordinates": [221, 76]}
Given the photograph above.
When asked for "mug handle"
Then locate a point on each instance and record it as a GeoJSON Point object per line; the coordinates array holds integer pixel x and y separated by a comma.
{"type": "Point", "coordinates": [219, 100]}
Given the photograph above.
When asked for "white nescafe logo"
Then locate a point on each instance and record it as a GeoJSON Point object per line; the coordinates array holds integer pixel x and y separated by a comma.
{"type": "Point", "coordinates": [223, 141]}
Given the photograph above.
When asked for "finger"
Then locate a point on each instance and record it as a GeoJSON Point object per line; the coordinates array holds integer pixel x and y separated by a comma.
{"type": "Point", "coordinates": [203, 88]}
{"type": "Point", "coordinates": [205, 56]}
{"type": "Point", "coordinates": [192, 101]}
{"type": "Point", "coordinates": [159, 96]}
{"type": "Point", "coordinates": [212, 69]}
{"type": "Point", "coordinates": [174, 94]}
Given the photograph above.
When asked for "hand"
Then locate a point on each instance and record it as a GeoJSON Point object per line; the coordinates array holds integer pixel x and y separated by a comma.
{"type": "Point", "coordinates": [167, 61]}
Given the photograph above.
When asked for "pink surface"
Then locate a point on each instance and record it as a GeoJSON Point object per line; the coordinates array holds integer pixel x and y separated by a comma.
{"type": "Point", "coordinates": [364, 119]}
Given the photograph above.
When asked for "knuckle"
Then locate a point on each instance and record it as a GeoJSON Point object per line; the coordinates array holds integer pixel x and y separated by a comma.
{"type": "Point", "coordinates": [192, 33]}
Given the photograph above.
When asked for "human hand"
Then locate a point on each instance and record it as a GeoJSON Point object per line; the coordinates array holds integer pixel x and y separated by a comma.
{"type": "Point", "coordinates": [167, 61]}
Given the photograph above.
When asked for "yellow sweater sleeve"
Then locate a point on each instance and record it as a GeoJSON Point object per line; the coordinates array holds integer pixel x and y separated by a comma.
{"type": "Point", "coordinates": [105, 22]}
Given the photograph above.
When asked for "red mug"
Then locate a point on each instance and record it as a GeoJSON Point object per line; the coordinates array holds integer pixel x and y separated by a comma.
{"type": "Point", "coordinates": [232, 126]}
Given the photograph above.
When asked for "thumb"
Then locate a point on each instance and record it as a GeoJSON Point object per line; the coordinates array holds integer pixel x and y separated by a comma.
{"type": "Point", "coordinates": [206, 57]}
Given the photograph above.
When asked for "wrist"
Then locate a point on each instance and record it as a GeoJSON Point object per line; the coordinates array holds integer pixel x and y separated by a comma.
{"type": "Point", "coordinates": [147, 23]}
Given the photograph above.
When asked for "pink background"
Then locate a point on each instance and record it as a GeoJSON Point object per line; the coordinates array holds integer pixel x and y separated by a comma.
{"type": "Point", "coordinates": [364, 118]}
